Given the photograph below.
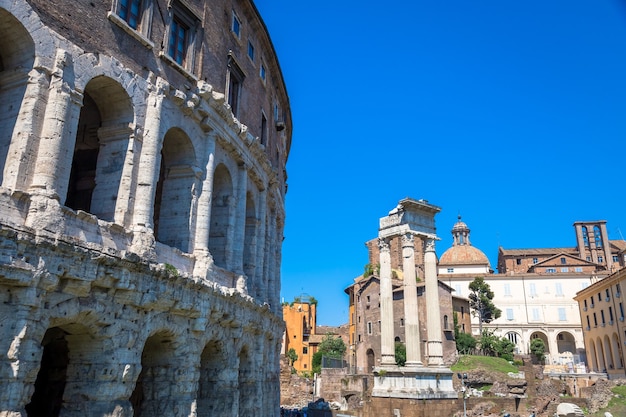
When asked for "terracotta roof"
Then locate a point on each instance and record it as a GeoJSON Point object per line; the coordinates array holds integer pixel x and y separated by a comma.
{"type": "Point", "coordinates": [537, 251]}
{"type": "Point", "coordinates": [463, 255]}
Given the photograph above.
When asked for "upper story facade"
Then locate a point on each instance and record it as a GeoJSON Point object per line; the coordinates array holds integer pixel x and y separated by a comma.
{"type": "Point", "coordinates": [158, 128]}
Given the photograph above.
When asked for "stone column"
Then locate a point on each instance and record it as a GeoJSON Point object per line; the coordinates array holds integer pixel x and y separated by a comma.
{"type": "Point", "coordinates": [58, 135]}
{"type": "Point", "coordinates": [387, 349]}
{"type": "Point", "coordinates": [240, 220]}
{"type": "Point", "coordinates": [259, 278]}
{"type": "Point", "coordinates": [150, 161]}
{"type": "Point", "coordinates": [203, 218]}
{"type": "Point", "coordinates": [433, 312]}
{"type": "Point", "coordinates": [25, 139]}
{"type": "Point", "coordinates": [411, 315]}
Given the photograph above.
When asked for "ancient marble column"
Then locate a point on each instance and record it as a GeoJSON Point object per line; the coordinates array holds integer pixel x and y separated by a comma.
{"type": "Point", "coordinates": [203, 218]}
{"type": "Point", "coordinates": [411, 317]}
{"type": "Point", "coordinates": [387, 348]}
{"type": "Point", "coordinates": [433, 315]}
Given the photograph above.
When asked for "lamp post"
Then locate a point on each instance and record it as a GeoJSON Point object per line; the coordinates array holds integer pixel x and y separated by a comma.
{"type": "Point", "coordinates": [463, 379]}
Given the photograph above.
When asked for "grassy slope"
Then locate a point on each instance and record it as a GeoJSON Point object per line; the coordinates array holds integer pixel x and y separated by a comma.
{"type": "Point", "coordinates": [488, 363]}
{"type": "Point", "coordinates": [617, 405]}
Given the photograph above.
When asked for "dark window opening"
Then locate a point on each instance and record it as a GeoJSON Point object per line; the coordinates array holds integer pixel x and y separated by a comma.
{"type": "Point", "coordinates": [130, 12]}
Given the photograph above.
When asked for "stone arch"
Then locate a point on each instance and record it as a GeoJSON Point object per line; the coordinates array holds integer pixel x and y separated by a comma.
{"type": "Point", "coordinates": [371, 360]}
{"type": "Point", "coordinates": [250, 243]}
{"type": "Point", "coordinates": [64, 380]}
{"type": "Point", "coordinates": [516, 339]}
{"type": "Point", "coordinates": [565, 342]}
{"type": "Point", "coordinates": [100, 148]}
{"type": "Point", "coordinates": [543, 337]}
{"type": "Point", "coordinates": [246, 383]}
{"type": "Point", "coordinates": [158, 365]}
{"type": "Point", "coordinates": [215, 391]}
{"type": "Point", "coordinates": [17, 56]}
{"type": "Point", "coordinates": [221, 213]}
{"type": "Point", "coordinates": [174, 191]}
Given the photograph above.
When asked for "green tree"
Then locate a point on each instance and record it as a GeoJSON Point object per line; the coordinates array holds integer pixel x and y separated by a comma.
{"type": "Point", "coordinates": [538, 348]}
{"type": "Point", "coordinates": [465, 343]}
{"type": "Point", "coordinates": [292, 356]}
{"type": "Point", "coordinates": [400, 352]}
{"type": "Point", "coordinates": [481, 302]}
{"type": "Point", "coordinates": [331, 347]}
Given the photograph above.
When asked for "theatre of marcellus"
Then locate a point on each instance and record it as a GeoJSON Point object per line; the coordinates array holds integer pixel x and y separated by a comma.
{"type": "Point", "coordinates": [143, 147]}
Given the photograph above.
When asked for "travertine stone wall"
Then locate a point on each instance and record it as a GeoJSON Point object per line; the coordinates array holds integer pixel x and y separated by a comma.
{"type": "Point", "coordinates": [141, 221]}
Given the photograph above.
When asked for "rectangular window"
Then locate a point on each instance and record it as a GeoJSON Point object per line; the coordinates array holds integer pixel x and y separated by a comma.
{"type": "Point", "coordinates": [618, 289]}
{"type": "Point", "coordinates": [305, 350]}
{"type": "Point", "coordinates": [562, 316]}
{"type": "Point", "coordinates": [507, 290]}
{"type": "Point", "coordinates": [621, 311]}
{"type": "Point", "coordinates": [588, 258]}
{"type": "Point", "coordinates": [615, 258]}
{"type": "Point", "coordinates": [518, 261]}
{"type": "Point", "coordinates": [565, 269]}
{"type": "Point", "coordinates": [578, 269]}
{"type": "Point", "coordinates": [369, 327]}
{"type": "Point", "coordinates": [236, 27]}
{"type": "Point", "coordinates": [251, 51]}
{"type": "Point", "coordinates": [600, 259]}
{"type": "Point", "coordinates": [588, 324]}
{"type": "Point", "coordinates": [262, 72]}
{"type": "Point", "coordinates": [450, 270]}
{"type": "Point", "coordinates": [585, 304]}
{"type": "Point", "coordinates": [535, 312]}
{"type": "Point", "coordinates": [563, 261]}
{"type": "Point", "coordinates": [608, 295]}
{"type": "Point", "coordinates": [550, 270]}
{"type": "Point", "coordinates": [177, 47]}
{"type": "Point", "coordinates": [533, 290]}
{"type": "Point", "coordinates": [130, 11]}
{"type": "Point", "coordinates": [263, 129]}
{"type": "Point", "coordinates": [235, 81]}
{"type": "Point", "coordinates": [559, 289]}
{"type": "Point", "coordinates": [535, 260]}
{"type": "Point", "coordinates": [401, 322]}
{"type": "Point", "coordinates": [595, 320]}
{"type": "Point", "coordinates": [611, 314]}
{"type": "Point", "coordinates": [602, 315]}
{"type": "Point", "coordinates": [509, 314]}
{"type": "Point", "coordinates": [182, 35]}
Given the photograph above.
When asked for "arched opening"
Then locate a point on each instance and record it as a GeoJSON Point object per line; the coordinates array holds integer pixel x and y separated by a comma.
{"type": "Point", "coordinates": [47, 399]}
{"type": "Point", "coordinates": [565, 342]}
{"type": "Point", "coordinates": [600, 354]}
{"type": "Point", "coordinates": [371, 360]}
{"type": "Point", "coordinates": [608, 353]}
{"type": "Point", "coordinates": [593, 356]}
{"type": "Point", "coordinates": [585, 236]}
{"type": "Point", "coordinates": [158, 365]}
{"type": "Point", "coordinates": [174, 191]}
{"type": "Point", "coordinates": [597, 236]}
{"type": "Point", "coordinates": [17, 55]}
{"type": "Point", "coordinates": [215, 395]}
{"type": "Point", "coordinates": [544, 339]}
{"type": "Point", "coordinates": [249, 247]}
{"type": "Point", "coordinates": [616, 352]}
{"type": "Point", "coordinates": [247, 388]}
{"type": "Point", "coordinates": [221, 209]}
{"type": "Point", "coordinates": [516, 339]}
{"type": "Point", "coordinates": [100, 149]}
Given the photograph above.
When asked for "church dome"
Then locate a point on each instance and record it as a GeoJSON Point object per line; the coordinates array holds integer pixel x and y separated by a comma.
{"type": "Point", "coordinates": [463, 255]}
{"type": "Point", "coordinates": [462, 252]}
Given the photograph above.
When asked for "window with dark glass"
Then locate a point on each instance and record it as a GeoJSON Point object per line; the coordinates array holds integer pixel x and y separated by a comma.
{"type": "Point", "coordinates": [585, 236]}
{"type": "Point", "coordinates": [250, 50]}
{"type": "Point", "coordinates": [236, 27]}
{"type": "Point", "coordinates": [130, 11]}
{"type": "Point", "coordinates": [235, 81]}
{"type": "Point", "coordinates": [177, 47]}
{"type": "Point", "coordinates": [597, 236]}
{"type": "Point", "coordinates": [263, 129]}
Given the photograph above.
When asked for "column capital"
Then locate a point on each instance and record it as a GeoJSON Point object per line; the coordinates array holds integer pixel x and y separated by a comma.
{"type": "Point", "coordinates": [430, 245]}
{"type": "Point", "coordinates": [407, 240]}
{"type": "Point", "coordinates": [383, 244]}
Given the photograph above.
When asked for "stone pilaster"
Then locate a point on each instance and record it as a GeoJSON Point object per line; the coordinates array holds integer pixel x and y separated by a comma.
{"type": "Point", "coordinates": [433, 313]}
{"type": "Point", "coordinates": [203, 217]}
{"type": "Point", "coordinates": [259, 285]}
{"type": "Point", "coordinates": [56, 146]}
{"type": "Point", "coordinates": [150, 161]}
{"type": "Point", "coordinates": [411, 317]}
{"type": "Point", "coordinates": [387, 348]}
{"type": "Point", "coordinates": [240, 219]}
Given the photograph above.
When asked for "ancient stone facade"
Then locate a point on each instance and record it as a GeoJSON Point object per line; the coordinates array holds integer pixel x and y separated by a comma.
{"type": "Point", "coordinates": [143, 147]}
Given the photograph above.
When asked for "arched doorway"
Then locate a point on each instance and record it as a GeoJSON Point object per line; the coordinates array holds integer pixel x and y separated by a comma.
{"type": "Point", "coordinates": [215, 395]}
{"type": "Point", "coordinates": [371, 360]}
{"type": "Point", "coordinates": [565, 342]}
{"type": "Point", "coordinates": [221, 209]}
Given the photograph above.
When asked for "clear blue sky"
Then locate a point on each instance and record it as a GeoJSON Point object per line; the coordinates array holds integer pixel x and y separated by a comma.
{"type": "Point", "coordinates": [511, 113]}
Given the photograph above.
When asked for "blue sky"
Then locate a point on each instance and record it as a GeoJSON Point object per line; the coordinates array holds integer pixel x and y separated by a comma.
{"type": "Point", "coordinates": [511, 113]}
